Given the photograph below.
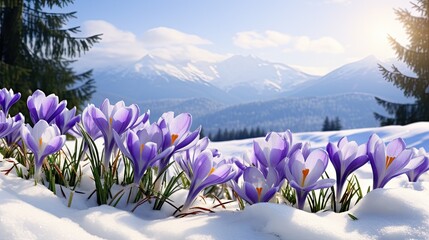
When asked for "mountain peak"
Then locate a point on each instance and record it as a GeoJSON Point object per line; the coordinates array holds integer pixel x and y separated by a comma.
{"type": "Point", "coordinates": [244, 58]}
{"type": "Point", "coordinates": [370, 59]}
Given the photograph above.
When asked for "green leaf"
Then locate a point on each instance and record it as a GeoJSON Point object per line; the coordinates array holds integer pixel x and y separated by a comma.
{"type": "Point", "coordinates": [352, 217]}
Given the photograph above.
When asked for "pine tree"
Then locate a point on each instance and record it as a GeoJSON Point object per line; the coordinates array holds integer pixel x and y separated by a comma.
{"type": "Point", "coordinates": [259, 132]}
{"type": "Point", "coordinates": [252, 133]}
{"type": "Point", "coordinates": [326, 124]}
{"type": "Point", "coordinates": [245, 134]}
{"type": "Point", "coordinates": [337, 124]}
{"type": "Point", "coordinates": [36, 51]}
{"type": "Point", "coordinates": [416, 56]}
{"type": "Point", "coordinates": [224, 135]}
{"type": "Point", "coordinates": [218, 135]}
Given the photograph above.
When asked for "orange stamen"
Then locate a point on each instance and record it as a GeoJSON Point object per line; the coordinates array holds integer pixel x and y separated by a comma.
{"type": "Point", "coordinates": [141, 148]}
{"type": "Point", "coordinates": [389, 161]}
{"type": "Point", "coordinates": [40, 142]}
{"type": "Point", "coordinates": [305, 172]}
{"type": "Point", "coordinates": [212, 170]}
{"type": "Point", "coordinates": [174, 138]}
{"type": "Point", "coordinates": [259, 191]}
{"type": "Point", "coordinates": [110, 121]}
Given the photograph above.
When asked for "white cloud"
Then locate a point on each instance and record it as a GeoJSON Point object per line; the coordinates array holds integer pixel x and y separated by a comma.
{"type": "Point", "coordinates": [163, 36]}
{"type": "Point", "coordinates": [252, 39]}
{"type": "Point", "coordinates": [273, 39]}
{"type": "Point", "coordinates": [186, 52]}
{"type": "Point", "coordinates": [118, 46]}
{"type": "Point", "coordinates": [321, 45]}
{"type": "Point", "coordinates": [115, 45]}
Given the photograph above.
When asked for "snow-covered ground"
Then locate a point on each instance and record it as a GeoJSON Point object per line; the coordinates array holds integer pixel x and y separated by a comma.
{"type": "Point", "coordinates": [400, 211]}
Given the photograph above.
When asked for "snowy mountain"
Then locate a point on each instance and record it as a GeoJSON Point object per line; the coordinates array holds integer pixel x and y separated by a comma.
{"type": "Point", "coordinates": [362, 76]}
{"type": "Point", "coordinates": [154, 79]}
{"type": "Point", "coordinates": [236, 80]}
{"type": "Point", "coordinates": [251, 78]}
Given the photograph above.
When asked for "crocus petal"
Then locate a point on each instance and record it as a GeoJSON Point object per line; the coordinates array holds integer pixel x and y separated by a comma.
{"type": "Point", "coordinates": [181, 124]}
{"type": "Point", "coordinates": [220, 174]}
{"type": "Point", "coordinates": [54, 145]}
{"type": "Point", "coordinates": [374, 139]}
{"type": "Point", "coordinates": [120, 143]}
{"type": "Point", "coordinates": [268, 194]}
{"type": "Point", "coordinates": [259, 153]}
{"type": "Point", "coordinates": [380, 157]}
{"type": "Point", "coordinates": [355, 164]}
{"type": "Point", "coordinates": [202, 166]}
{"type": "Point", "coordinates": [342, 142]}
{"type": "Point", "coordinates": [189, 141]}
{"type": "Point", "coordinates": [99, 119]}
{"type": "Point", "coordinates": [250, 192]}
{"type": "Point", "coordinates": [152, 133]}
{"type": "Point", "coordinates": [322, 183]}
{"type": "Point", "coordinates": [253, 175]}
{"type": "Point", "coordinates": [397, 167]}
{"type": "Point", "coordinates": [395, 147]}
{"type": "Point", "coordinates": [315, 172]}
{"type": "Point", "coordinates": [29, 139]}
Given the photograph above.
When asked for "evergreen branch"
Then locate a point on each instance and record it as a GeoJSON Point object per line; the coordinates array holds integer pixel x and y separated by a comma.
{"type": "Point", "coordinates": [410, 85]}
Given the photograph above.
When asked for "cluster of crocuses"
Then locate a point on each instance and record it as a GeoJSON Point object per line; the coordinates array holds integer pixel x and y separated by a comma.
{"type": "Point", "coordinates": [121, 127]}
{"type": "Point", "coordinates": [257, 177]}
{"type": "Point", "coordinates": [275, 159]}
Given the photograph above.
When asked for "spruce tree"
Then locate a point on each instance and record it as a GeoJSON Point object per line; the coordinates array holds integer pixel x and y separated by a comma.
{"type": "Point", "coordinates": [36, 51]}
{"type": "Point", "coordinates": [416, 56]}
{"type": "Point", "coordinates": [337, 124]}
{"type": "Point", "coordinates": [326, 124]}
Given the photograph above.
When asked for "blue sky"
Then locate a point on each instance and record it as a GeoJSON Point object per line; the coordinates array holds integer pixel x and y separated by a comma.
{"type": "Point", "coordinates": [315, 36]}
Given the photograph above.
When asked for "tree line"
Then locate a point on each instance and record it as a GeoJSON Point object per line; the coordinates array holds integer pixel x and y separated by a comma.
{"type": "Point", "coordinates": [332, 124]}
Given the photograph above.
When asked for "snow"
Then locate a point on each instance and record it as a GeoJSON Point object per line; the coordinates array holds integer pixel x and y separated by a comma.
{"type": "Point", "coordinates": [399, 211]}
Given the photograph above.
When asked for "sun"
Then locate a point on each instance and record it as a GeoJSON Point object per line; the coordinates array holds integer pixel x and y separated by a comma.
{"type": "Point", "coordinates": [379, 30]}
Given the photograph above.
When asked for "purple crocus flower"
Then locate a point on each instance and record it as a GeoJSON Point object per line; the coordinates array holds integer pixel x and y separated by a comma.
{"type": "Point", "coordinates": [422, 165]}
{"type": "Point", "coordinates": [7, 99]}
{"type": "Point", "coordinates": [254, 186]}
{"type": "Point", "coordinates": [44, 107]}
{"type": "Point", "coordinates": [303, 173]}
{"type": "Point", "coordinates": [110, 118]}
{"type": "Point", "coordinates": [14, 136]}
{"type": "Point", "coordinates": [388, 161]}
{"type": "Point", "coordinates": [8, 124]}
{"type": "Point", "coordinates": [141, 148]}
{"type": "Point", "coordinates": [66, 120]}
{"type": "Point", "coordinates": [88, 125]}
{"type": "Point", "coordinates": [207, 172]}
{"type": "Point", "coordinates": [287, 135]}
{"type": "Point", "coordinates": [272, 151]}
{"type": "Point", "coordinates": [185, 158]}
{"type": "Point", "coordinates": [176, 133]}
{"type": "Point", "coordinates": [42, 139]}
{"type": "Point", "coordinates": [346, 157]}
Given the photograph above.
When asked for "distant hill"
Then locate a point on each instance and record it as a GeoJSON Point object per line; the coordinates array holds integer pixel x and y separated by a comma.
{"type": "Point", "coordinates": [198, 107]}
{"type": "Point", "coordinates": [298, 114]}
{"type": "Point", "coordinates": [362, 76]}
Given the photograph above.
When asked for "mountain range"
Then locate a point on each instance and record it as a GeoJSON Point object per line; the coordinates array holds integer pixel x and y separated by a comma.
{"type": "Point", "coordinates": [241, 90]}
